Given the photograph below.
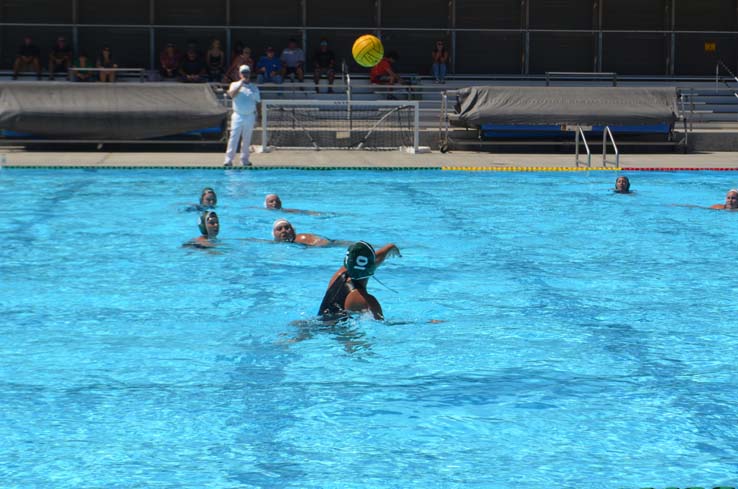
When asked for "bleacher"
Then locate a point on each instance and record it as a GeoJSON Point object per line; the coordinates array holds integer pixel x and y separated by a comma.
{"type": "Point", "coordinates": [708, 107]}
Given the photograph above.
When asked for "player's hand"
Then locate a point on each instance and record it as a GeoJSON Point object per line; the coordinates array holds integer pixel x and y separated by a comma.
{"type": "Point", "coordinates": [394, 251]}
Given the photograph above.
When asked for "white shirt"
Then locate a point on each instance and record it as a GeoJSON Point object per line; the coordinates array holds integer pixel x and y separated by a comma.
{"type": "Point", "coordinates": [244, 103]}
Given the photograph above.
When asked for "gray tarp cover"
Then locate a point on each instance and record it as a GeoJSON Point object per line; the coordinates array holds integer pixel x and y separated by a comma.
{"type": "Point", "coordinates": [107, 111]}
{"type": "Point", "coordinates": [565, 105]}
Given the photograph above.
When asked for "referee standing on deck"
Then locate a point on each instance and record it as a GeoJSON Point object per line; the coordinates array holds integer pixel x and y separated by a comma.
{"type": "Point", "coordinates": [246, 100]}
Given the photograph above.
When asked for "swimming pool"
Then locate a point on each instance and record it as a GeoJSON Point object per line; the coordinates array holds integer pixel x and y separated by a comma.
{"type": "Point", "coordinates": [589, 338]}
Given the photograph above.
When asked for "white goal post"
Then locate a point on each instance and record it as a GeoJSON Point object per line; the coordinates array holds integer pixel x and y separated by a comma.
{"type": "Point", "coordinates": [340, 124]}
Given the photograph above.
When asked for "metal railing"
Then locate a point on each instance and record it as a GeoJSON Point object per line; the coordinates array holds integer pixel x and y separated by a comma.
{"type": "Point", "coordinates": [580, 135]}
{"type": "Point", "coordinates": [141, 72]}
{"type": "Point", "coordinates": [722, 65]}
{"type": "Point", "coordinates": [347, 81]}
{"type": "Point", "coordinates": [576, 75]}
{"type": "Point", "coordinates": [607, 136]}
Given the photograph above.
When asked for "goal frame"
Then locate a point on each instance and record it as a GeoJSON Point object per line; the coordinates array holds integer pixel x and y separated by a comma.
{"type": "Point", "coordinates": [265, 104]}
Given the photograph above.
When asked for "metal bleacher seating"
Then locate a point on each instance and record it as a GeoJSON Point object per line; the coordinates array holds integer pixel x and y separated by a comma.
{"type": "Point", "coordinates": [709, 104]}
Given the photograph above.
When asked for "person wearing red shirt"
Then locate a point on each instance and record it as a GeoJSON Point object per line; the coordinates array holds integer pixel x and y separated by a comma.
{"type": "Point", "coordinates": [382, 73]}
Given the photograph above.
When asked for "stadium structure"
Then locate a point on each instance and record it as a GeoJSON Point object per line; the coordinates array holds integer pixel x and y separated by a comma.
{"type": "Point", "coordinates": [690, 44]}
{"type": "Point", "coordinates": [638, 37]}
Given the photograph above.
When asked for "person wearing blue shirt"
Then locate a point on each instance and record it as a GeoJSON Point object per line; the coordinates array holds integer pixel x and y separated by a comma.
{"type": "Point", "coordinates": [269, 68]}
{"type": "Point", "coordinates": [246, 98]}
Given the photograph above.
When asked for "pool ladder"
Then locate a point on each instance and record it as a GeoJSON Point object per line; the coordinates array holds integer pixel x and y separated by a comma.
{"type": "Point", "coordinates": [607, 138]}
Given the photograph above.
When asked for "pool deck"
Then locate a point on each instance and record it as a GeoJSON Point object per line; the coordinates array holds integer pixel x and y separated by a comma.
{"type": "Point", "coordinates": [16, 158]}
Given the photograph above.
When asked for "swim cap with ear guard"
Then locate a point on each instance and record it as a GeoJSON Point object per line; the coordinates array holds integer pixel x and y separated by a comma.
{"type": "Point", "coordinates": [360, 260]}
{"type": "Point", "coordinates": [209, 190]}
{"type": "Point", "coordinates": [203, 220]}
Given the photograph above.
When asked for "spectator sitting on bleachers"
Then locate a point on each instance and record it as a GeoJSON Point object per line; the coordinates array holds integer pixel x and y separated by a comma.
{"type": "Point", "coordinates": [81, 62]}
{"type": "Point", "coordinates": [192, 69]}
{"type": "Point", "coordinates": [244, 58]}
{"type": "Point", "coordinates": [192, 46]}
{"type": "Point", "coordinates": [237, 49]}
{"type": "Point", "coordinates": [293, 59]}
{"type": "Point", "coordinates": [60, 58]}
{"type": "Point", "coordinates": [169, 62]}
{"type": "Point", "coordinates": [105, 60]}
{"type": "Point", "coordinates": [28, 54]}
{"type": "Point", "coordinates": [215, 60]}
{"type": "Point", "coordinates": [269, 68]}
{"type": "Point", "coordinates": [440, 62]}
{"type": "Point", "coordinates": [324, 61]}
{"type": "Point", "coordinates": [382, 72]}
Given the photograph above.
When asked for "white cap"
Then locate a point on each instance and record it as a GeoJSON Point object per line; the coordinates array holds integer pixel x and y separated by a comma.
{"type": "Point", "coordinates": [244, 69]}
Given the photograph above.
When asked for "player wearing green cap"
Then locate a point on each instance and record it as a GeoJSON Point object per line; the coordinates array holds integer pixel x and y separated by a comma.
{"type": "Point", "coordinates": [347, 289]}
{"type": "Point", "coordinates": [208, 201]}
{"type": "Point", "coordinates": [209, 225]}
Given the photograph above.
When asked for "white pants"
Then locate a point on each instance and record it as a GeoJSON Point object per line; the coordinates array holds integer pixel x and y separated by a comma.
{"type": "Point", "coordinates": [241, 128]}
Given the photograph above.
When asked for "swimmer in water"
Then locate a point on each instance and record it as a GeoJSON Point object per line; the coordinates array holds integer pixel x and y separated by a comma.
{"type": "Point", "coordinates": [208, 201]}
{"type": "Point", "coordinates": [622, 185]}
{"type": "Point", "coordinates": [731, 201]}
{"type": "Point", "coordinates": [208, 198]}
{"type": "Point", "coordinates": [346, 291]}
{"type": "Point", "coordinates": [273, 202]}
{"type": "Point", "coordinates": [209, 228]}
{"type": "Point", "coordinates": [283, 231]}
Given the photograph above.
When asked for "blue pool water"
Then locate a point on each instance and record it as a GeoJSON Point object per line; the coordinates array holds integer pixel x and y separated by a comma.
{"type": "Point", "coordinates": [589, 339]}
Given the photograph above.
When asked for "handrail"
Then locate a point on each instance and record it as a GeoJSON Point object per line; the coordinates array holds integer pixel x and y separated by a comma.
{"type": "Point", "coordinates": [605, 133]}
{"type": "Point", "coordinates": [443, 123]}
{"type": "Point", "coordinates": [688, 125]}
{"type": "Point", "coordinates": [717, 75]}
{"type": "Point", "coordinates": [346, 76]}
{"type": "Point", "coordinates": [583, 74]}
{"type": "Point", "coordinates": [579, 132]}
{"type": "Point", "coordinates": [141, 71]}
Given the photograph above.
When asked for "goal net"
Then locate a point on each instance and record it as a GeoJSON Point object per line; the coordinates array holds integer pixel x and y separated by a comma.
{"type": "Point", "coordinates": [334, 124]}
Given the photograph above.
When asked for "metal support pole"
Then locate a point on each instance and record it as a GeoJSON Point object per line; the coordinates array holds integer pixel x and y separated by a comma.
{"type": "Point", "coordinates": [717, 75]}
{"type": "Point", "coordinates": [452, 22]}
{"type": "Point", "coordinates": [600, 8]}
{"type": "Point", "coordinates": [152, 36]}
{"type": "Point", "coordinates": [2, 7]}
{"type": "Point", "coordinates": [378, 21]}
{"type": "Point", "coordinates": [442, 123]}
{"type": "Point", "coordinates": [229, 45]}
{"type": "Point", "coordinates": [303, 6]}
{"type": "Point", "coordinates": [349, 113]}
{"type": "Point", "coordinates": [672, 54]}
{"type": "Point", "coordinates": [75, 31]}
{"type": "Point", "coordinates": [526, 47]}
{"type": "Point", "coordinates": [228, 40]}
{"type": "Point", "coordinates": [152, 50]}
{"type": "Point", "coordinates": [416, 131]}
{"type": "Point", "coordinates": [264, 123]}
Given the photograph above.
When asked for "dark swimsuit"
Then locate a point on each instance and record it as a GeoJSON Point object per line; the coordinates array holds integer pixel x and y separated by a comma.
{"type": "Point", "coordinates": [335, 297]}
{"type": "Point", "coordinates": [215, 62]}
